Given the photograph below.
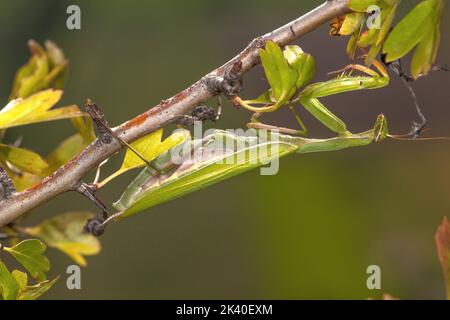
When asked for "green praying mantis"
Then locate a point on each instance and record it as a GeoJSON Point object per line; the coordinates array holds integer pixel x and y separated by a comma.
{"type": "Point", "coordinates": [288, 72]}
{"type": "Point", "coordinates": [180, 165]}
{"type": "Point", "coordinates": [221, 160]}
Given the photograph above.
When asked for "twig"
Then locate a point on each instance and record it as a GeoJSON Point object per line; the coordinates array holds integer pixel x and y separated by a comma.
{"type": "Point", "coordinates": [168, 111]}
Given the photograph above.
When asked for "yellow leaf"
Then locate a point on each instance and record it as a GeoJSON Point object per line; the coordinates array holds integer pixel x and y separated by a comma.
{"type": "Point", "coordinates": [33, 292]}
{"type": "Point", "coordinates": [36, 108]}
{"type": "Point", "coordinates": [21, 180]}
{"type": "Point", "coordinates": [46, 68]}
{"type": "Point", "coordinates": [23, 159]}
{"type": "Point", "coordinates": [65, 232]}
{"type": "Point", "coordinates": [149, 146]}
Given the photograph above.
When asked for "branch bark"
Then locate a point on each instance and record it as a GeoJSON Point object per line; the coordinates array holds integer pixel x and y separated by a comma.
{"type": "Point", "coordinates": [68, 176]}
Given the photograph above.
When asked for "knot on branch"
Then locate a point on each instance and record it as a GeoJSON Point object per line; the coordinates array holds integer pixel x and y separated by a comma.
{"type": "Point", "coordinates": [97, 115]}
{"type": "Point", "coordinates": [200, 113]}
{"type": "Point", "coordinates": [7, 185]}
{"type": "Point", "coordinates": [230, 84]}
{"type": "Point", "coordinates": [95, 227]}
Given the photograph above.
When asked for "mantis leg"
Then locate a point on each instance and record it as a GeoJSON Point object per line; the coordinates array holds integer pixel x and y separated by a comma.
{"type": "Point", "coordinates": [246, 105]}
{"type": "Point", "coordinates": [345, 83]}
{"type": "Point", "coordinates": [325, 116]}
{"type": "Point", "coordinates": [256, 124]}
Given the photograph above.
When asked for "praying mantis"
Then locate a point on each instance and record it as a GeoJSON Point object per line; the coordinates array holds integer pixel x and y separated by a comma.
{"type": "Point", "coordinates": [287, 72]}
{"type": "Point", "coordinates": [220, 161]}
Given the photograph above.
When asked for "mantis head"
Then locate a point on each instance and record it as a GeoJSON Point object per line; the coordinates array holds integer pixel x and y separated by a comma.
{"type": "Point", "coordinates": [380, 130]}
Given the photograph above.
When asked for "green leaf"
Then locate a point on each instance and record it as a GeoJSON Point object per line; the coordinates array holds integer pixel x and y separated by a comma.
{"type": "Point", "coordinates": [352, 23]}
{"type": "Point", "coordinates": [286, 71]}
{"type": "Point", "coordinates": [149, 146]}
{"type": "Point", "coordinates": [31, 75]}
{"type": "Point", "coordinates": [362, 5]}
{"type": "Point", "coordinates": [32, 292]}
{"type": "Point", "coordinates": [442, 239]}
{"type": "Point", "coordinates": [23, 159]}
{"type": "Point", "coordinates": [387, 16]}
{"type": "Point", "coordinates": [45, 69]}
{"type": "Point", "coordinates": [29, 254]}
{"type": "Point", "coordinates": [302, 63]}
{"type": "Point", "coordinates": [271, 71]}
{"type": "Point", "coordinates": [8, 286]}
{"type": "Point", "coordinates": [65, 232]}
{"type": "Point", "coordinates": [353, 44]}
{"type": "Point", "coordinates": [36, 108]}
{"type": "Point", "coordinates": [426, 52]}
{"type": "Point", "coordinates": [414, 28]}
{"type": "Point", "coordinates": [367, 38]}
{"type": "Point", "coordinates": [279, 75]}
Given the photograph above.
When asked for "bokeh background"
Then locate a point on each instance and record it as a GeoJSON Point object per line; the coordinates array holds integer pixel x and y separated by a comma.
{"type": "Point", "coordinates": [309, 232]}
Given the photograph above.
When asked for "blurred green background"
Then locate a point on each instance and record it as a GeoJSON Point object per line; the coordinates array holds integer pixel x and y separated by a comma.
{"type": "Point", "coordinates": [310, 231]}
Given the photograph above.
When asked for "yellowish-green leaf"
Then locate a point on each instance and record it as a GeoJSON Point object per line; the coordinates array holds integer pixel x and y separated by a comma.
{"type": "Point", "coordinates": [36, 108]}
{"type": "Point", "coordinates": [426, 52]}
{"type": "Point", "coordinates": [353, 44]}
{"type": "Point", "coordinates": [8, 286]}
{"type": "Point", "coordinates": [388, 16]}
{"type": "Point", "coordinates": [352, 23]}
{"type": "Point", "coordinates": [30, 254]}
{"type": "Point", "coordinates": [278, 73]}
{"type": "Point", "coordinates": [23, 159]}
{"type": "Point", "coordinates": [55, 54]}
{"type": "Point", "coordinates": [367, 38]}
{"type": "Point", "coordinates": [149, 146]}
{"type": "Point", "coordinates": [23, 180]}
{"type": "Point", "coordinates": [363, 5]}
{"type": "Point", "coordinates": [379, 36]}
{"type": "Point", "coordinates": [410, 31]}
{"type": "Point", "coordinates": [65, 232]}
{"type": "Point", "coordinates": [302, 65]}
{"type": "Point", "coordinates": [66, 112]}
{"type": "Point", "coordinates": [45, 69]}
{"type": "Point", "coordinates": [27, 292]}
{"type": "Point", "coordinates": [30, 76]}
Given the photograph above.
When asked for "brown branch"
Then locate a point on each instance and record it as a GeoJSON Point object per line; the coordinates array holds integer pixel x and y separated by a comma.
{"type": "Point", "coordinates": [67, 177]}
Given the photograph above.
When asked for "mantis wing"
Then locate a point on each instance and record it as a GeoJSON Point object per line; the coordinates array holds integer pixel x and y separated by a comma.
{"type": "Point", "coordinates": [151, 188]}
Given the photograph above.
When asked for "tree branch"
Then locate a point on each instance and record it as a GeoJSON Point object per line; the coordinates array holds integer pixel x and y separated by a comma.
{"type": "Point", "coordinates": [67, 177]}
